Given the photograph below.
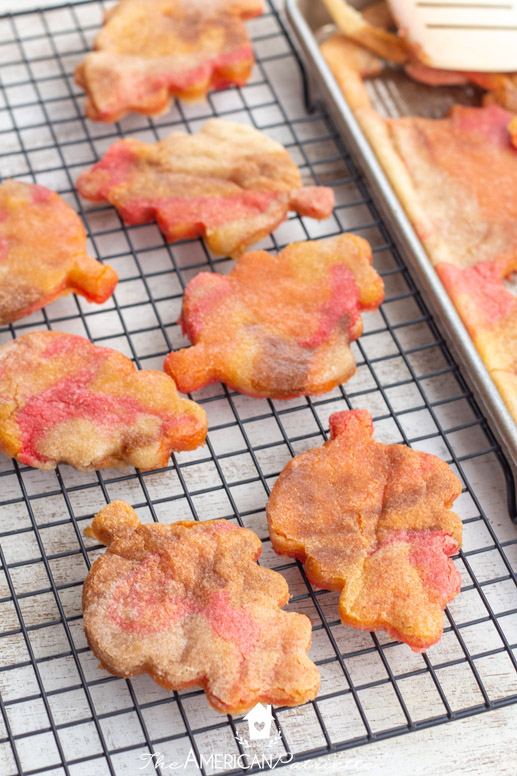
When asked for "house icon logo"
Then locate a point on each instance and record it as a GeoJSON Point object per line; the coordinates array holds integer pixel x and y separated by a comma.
{"type": "Point", "coordinates": [259, 721]}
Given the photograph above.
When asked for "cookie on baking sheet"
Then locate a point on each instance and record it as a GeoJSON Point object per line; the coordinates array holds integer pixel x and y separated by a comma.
{"type": "Point", "coordinates": [65, 400]}
{"type": "Point", "coordinates": [188, 604]}
{"type": "Point", "coordinates": [229, 183]}
{"type": "Point", "coordinates": [374, 30]}
{"type": "Point", "coordinates": [373, 521]}
{"type": "Point", "coordinates": [489, 311]}
{"type": "Point", "coordinates": [151, 50]}
{"type": "Point", "coordinates": [43, 253]}
{"type": "Point", "coordinates": [278, 326]}
{"type": "Point", "coordinates": [457, 179]}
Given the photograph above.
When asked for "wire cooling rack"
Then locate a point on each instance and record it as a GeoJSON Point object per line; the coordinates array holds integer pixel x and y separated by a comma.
{"type": "Point", "coordinates": [60, 713]}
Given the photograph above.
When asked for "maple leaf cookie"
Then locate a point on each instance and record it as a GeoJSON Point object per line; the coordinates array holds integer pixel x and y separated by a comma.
{"type": "Point", "coordinates": [374, 522]}
{"type": "Point", "coordinates": [229, 183]}
{"type": "Point", "coordinates": [278, 326]}
{"type": "Point", "coordinates": [43, 253]}
{"type": "Point", "coordinates": [65, 400]}
{"type": "Point", "coordinates": [188, 604]}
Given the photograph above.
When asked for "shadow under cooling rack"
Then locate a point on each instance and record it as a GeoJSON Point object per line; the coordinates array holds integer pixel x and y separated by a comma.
{"type": "Point", "coordinates": [60, 713]}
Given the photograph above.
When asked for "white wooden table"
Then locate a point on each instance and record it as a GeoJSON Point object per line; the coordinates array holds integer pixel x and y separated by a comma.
{"type": "Point", "coordinates": [483, 744]}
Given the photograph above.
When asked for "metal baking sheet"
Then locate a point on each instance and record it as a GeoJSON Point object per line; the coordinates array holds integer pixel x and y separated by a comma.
{"type": "Point", "coordinates": [393, 94]}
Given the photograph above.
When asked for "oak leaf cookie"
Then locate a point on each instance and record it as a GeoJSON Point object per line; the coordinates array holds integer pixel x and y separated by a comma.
{"type": "Point", "coordinates": [278, 326]}
{"type": "Point", "coordinates": [229, 183]}
{"type": "Point", "coordinates": [43, 253]}
{"type": "Point", "coordinates": [150, 50]}
{"type": "Point", "coordinates": [188, 604]}
{"type": "Point", "coordinates": [374, 522]}
{"type": "Point", "coordinates": [65, 400]}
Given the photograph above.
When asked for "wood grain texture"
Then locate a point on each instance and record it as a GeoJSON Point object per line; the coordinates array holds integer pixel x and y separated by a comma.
{"type": "Point", "coordinates": [478, 746]}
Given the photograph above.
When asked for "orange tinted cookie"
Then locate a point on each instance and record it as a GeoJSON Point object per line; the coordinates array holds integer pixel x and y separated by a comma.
{"type": "Point", "coordinates": [43, 253]}
{"type": "Point", "coordinates": [463, 173]}
{"type": "Point", "coordinates": [150, 50]}
{"type": "Point", "coordinates": [278, 326]}
{"type": "Point", "coordinates": [228, 183]}
{"type": "Point", "coordinates": [65, 400]}
{"type": "Point", "coordinates": [457, 179]}
{"type": "Point", "coordinates": [188, 604]}
{"type": "Point", "coordinates": [489, 311]}
{"type": "Point", "coordinates": [374, 522]}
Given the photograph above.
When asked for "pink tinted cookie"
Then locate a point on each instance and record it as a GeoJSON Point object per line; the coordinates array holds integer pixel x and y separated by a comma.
{"type": "Point", "coordinates": [229, 183]}
{"type": "Point", "coordinates": [151, 50]}
{"type": "Point", "coordinates": [278, 326]}
{"type": "Point", "coordinates": [65, 400]}
{"type": "Point", "coordinates": [188, 604]}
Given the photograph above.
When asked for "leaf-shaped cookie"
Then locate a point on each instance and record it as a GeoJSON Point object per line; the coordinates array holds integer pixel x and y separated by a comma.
{"type": "Point", "coordinates": [229, 183]}
{"type": "Point", "coordinates": [278, 326]}
{"type": "Point", "coordinates": [374, 522]}
{"type": "Point", "coordinates": [188, 604]}
{"type": "Point", "coordinates": [150, 50]}
{"type": "Point", "coordinates": [43, 253]}
{"type": "Point", "coordinates": [65, 400]}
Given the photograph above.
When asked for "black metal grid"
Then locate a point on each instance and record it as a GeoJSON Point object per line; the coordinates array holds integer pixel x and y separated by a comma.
{"type": "Point", "coordinates": [59, 713]}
